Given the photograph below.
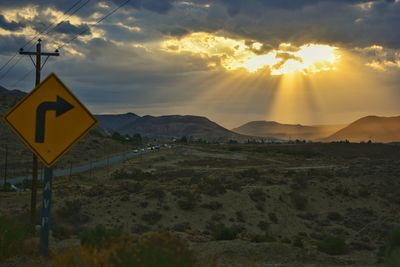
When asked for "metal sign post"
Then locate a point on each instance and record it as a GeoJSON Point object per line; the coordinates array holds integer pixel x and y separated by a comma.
{"type": "Point", "coordinates": [49, 120]}
{"type": "Point", "coordinates": [46, 205]}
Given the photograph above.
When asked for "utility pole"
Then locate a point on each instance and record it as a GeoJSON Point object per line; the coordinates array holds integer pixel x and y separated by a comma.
{"type": "Point", "coordinates": [38, 66]}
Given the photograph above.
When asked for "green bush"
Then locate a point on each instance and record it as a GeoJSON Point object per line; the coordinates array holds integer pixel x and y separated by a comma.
{"type": "Point", "coordinates": [212, 186]}
{"type": "Point", "coordinates": [212, 205]}
{"type": "Point", "coordinates": [392, 250]}
{"type": "Point", "coordinates": [272, 216]}
{"type": "Point", "coordinates": [240, 216]}
{"type": "Point", "coordinates": [263, 225]}
{"type": "Point", "coordinates": [152, 217]}
{"type": "Point", "coordinates": [262, 238]}
{"type": "Point", "coordinates": [132, 187]}
{"type": "Point", "coordinates": [156, 250]}
{"type": "Point", "coordinates": [120, 174]}
{"type": "Point", "coordinates": [12, 236]}
{"type": "Point", "coordinates": [134, 174]}
{"type": "Point", "coordinates": [334, 216]}
{"type": "Point", "coordinates": [188, 200]}
{"type": "Point", "coordinates": [6, 188]}
{"type": "Point", "coordinates": [61, 231]}
{"type": "Point", "coordinates": [222, 232]}
{"type": "Point", "coordinates": [299, 201]}
{"type": "Point", "coordinates": [257, 195]}
{"type": "Point", "coordinates": [333, 246]}
{"type": "Point", "coordinates": [298, 242]}
{"type": "Point", "coordinates": [155, 192]}
{"type": "Point", "coordinates": [393, 242]}
{"type": "Point", "coordinates": [99, 237]}
{"type": "Point", "coordinates": [71, 212]}
{"type": "Point", "coordinates": [251, 173]}
{"type": "Point", "coordinates": [393, 260]}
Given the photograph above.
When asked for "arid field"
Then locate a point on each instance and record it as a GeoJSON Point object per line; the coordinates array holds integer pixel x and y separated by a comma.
{"type": "Point", "coordinates": [238, 205]}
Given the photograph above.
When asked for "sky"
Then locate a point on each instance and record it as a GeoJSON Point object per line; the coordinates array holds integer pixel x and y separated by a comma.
{"type": "Point", "coordinates": [233, 61]}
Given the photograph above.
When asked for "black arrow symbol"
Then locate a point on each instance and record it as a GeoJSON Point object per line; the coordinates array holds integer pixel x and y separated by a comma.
{"type": "Point", "coordinates": [60, 106]}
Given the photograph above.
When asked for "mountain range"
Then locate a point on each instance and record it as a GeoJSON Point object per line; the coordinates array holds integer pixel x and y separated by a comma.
{"type": "Point", "coordinates": [287, 131]}
{"type": "Point", "coordinates": [170, 126]}
{"type": "Point", "coordinates": [377, 129]}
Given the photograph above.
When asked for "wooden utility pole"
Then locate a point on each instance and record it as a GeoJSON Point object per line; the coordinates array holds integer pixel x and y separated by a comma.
{"type": "Point", "coordinates": [38, 65]}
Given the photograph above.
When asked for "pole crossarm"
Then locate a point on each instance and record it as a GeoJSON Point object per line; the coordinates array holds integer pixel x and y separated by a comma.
{"type": "Point", "coordinates": [56, 54]}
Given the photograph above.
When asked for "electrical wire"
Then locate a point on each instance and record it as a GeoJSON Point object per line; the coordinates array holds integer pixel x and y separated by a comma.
{"type": "Point", "coordinates": [48, 29]}
{"type": "Point", "coordinates": [97, 22]}
{"type": "Point", "coordinates": [22, 78]}
{"type": "Point", "coordinates": [72, 39]}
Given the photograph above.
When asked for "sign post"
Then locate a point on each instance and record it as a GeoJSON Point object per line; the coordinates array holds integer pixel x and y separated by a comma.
{"type": "Point", "coordinates": [45, 222]}
{"type": "Point", "coordinates": [50, 120]}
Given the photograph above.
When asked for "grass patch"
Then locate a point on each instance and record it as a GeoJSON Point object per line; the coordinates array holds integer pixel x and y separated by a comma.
{"type": "Point", "coordinates": [333, 246]}
{"type": "Point", "coordinates": [222, 232]}
{"type": "Point", "coordinates": [99, 237]}
{"type": "Point", "coordinates": [12, 236]}
{"type": "Point", "coordinates": [156, 250]}
{"type": "Point", "coordinates": [134, 174]}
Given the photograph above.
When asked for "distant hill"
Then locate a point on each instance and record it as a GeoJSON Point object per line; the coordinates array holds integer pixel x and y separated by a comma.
{"type": "Point", "coordinates": [286, 131]}
{"type": "Point", "coordinates": [377, 129]}
{"type": "Point", "coordinates": [116, 122]}
{"type": "Point", "coordinates": [166, 126]}
{"type": "Point", "coordinates": [9, 98]}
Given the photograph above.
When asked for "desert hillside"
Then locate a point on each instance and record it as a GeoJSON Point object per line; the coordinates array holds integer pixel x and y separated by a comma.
{"type": "Point", "coordinates": [286, 131]}
{"type": "Point", "coordinates": [374, 128]}
{"type": "Point", "coordinates": [171, 126]}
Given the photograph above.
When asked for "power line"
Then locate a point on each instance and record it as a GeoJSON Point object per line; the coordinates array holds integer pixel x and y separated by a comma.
{"type": "Point", "coordinates": [22, 78]}
{"type": "Point", "coordinates": [97, 22]}
{"type": "Point", "coordinates": [65, 19]}
{"type": "Point", "coordinates": [11, 67]}
{"type": "Point", "coordinates": [9, 60]}
{"type": "Point", "coordinates": [53, 25]}
{"type": "Point", "coordinates": [56, 21]}
{"type": "Point", "coordinates": [75, 37]}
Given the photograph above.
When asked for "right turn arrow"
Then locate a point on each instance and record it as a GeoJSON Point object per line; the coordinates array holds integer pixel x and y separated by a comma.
{"type": "Point", "coordinates": [61, 106]}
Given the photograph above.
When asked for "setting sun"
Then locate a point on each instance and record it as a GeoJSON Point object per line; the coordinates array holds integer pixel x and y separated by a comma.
{"type": "Point", "coordinates": [234, 54]}
{"type": "Point", "coordinates": [310, 58]}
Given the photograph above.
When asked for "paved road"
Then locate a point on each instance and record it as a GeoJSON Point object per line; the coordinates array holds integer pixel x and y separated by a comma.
{"type": "Point", "coordinates": [86, 167]}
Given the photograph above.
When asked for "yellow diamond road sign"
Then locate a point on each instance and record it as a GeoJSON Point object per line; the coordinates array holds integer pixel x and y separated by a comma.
{"type": "Point", "coordinates": [50, 119]}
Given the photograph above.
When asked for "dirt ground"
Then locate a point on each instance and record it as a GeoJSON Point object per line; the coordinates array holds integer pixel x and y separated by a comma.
{"type": "Point", "coordinates": [275, 204]}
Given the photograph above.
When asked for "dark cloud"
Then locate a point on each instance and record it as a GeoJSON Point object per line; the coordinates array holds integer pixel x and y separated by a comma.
{"type": "Point", "coordinates": [67, 28]}
{"type": "Point", "coordinates": [339, 22]}
{"type": "Point", "coordinates": [175, 31]}
{"type": "Point", "coordinates": [158, 6]}
{"type": "Point", "coordinates": [236, 6]}
{"type": "Point", "coordinates": [10, 44]}
{"type": "Point", "coordinates": [10, 25]}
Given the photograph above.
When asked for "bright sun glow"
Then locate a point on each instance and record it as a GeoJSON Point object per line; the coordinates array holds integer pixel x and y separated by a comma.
{"type": "Point", "coordinates": [234, 54]}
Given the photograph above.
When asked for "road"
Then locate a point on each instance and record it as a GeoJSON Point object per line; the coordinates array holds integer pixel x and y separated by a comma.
{"type": "Point", "coordinates": [85, 167]}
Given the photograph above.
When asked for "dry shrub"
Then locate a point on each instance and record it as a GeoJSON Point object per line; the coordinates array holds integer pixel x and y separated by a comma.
{"type": "Point", "coordinates": [84, 256]}
{"type": "Point", "coordinates": [156, 250]}
{"type": "Point", "coordinates": [161, 249]}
